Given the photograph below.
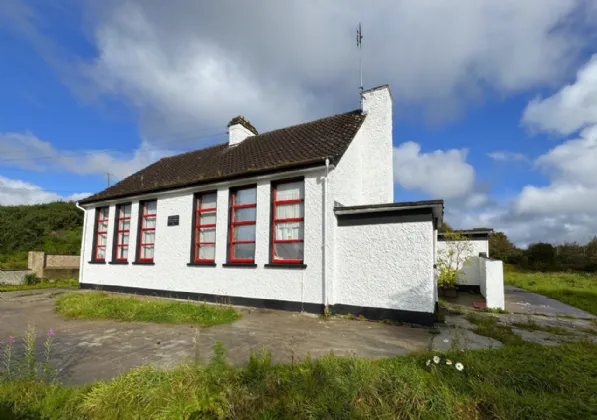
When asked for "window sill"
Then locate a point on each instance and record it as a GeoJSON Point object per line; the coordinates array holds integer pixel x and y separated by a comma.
{"type": "Point", "coordinates": [96, 262]}
{"type": "Point", "coordinates": [143, 263]}
{"type": "Point", "coordinates": [286, 265]}
{"type": "Point", "coordinates": [244, 265]}
{"type": "Point", "coordinates": [201, 264]}
{"type": "Point", "coordinates": [118, 262]}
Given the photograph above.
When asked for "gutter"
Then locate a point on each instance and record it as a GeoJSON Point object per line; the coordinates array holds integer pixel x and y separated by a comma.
{"type": "Point", "coordinates": [82, 254]}
{"type": "Point", "coordinates": [324, 239]}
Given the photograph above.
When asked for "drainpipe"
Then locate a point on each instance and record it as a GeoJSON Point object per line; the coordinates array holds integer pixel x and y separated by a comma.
{"type": "Point", "coordinates": [325, 229]}
{"type": "Point", "coordinates": [82, 254]}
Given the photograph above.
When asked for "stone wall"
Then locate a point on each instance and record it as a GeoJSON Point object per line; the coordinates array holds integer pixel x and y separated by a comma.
{"type": "Point", "coordinates": [53, 267]}
{"type": "Point", "coordinates": [13, 277]}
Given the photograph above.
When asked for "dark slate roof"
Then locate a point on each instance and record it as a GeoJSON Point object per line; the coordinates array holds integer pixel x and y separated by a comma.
{"type": "Point", "coordinates": [297, 146]}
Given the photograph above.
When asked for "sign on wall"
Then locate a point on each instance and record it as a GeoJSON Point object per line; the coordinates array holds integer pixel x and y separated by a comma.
{"type": "Point", "coordinates": [173, 220]}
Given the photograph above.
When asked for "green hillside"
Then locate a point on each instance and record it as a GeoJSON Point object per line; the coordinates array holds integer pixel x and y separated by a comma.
{"type": "Point", "coordinates": [54, 228]}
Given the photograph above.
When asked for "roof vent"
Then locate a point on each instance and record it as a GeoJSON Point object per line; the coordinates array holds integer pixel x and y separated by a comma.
{"type": "Point", "coordinates": [239, 129]}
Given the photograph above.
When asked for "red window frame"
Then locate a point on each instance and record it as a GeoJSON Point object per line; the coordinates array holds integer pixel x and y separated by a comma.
{"type": "Point", "coordinates": [198, 211]}
{"type": "Point", "coordinates": [275, 220]}
{"type": "Point", "coordinates": [119, 219]}
{"type": "Point", "coordinates": [233, 224]}
{"type": "Point", "coordinates": [146, 229]}
{"type": "Point", "coordinates": [99, 232]}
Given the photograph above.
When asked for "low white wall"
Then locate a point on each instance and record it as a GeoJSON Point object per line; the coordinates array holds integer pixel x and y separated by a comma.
{"type": "Point", "coordinates": [387, 265]}
{"type": "Point", "coordinates": [470, 270]}
{"type": "Point", "coordinates": [492, 282]}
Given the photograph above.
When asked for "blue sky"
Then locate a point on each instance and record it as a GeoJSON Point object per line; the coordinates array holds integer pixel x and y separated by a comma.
{"type": "Point", "coordinates": [495, 105]}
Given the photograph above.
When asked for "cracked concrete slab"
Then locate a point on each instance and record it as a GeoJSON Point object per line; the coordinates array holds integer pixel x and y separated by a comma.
{"type": "Point", "coordinates": [86, 351]}
{"type": "Point", "coordinates": [523, 301]}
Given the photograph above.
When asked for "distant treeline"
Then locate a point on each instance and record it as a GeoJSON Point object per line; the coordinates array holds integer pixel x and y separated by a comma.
{"type": "Point", "coordinates": [570, 256]}
{"type": "Point", "coordinates": [54, 228]}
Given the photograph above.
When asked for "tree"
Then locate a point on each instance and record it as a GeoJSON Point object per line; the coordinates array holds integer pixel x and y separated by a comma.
{"type": "Point", "coordinates": [501, 248]}
{"type": "Point", "coordinates": [452, 258]}
{"type": "Point", "coordinates": [541, 256]}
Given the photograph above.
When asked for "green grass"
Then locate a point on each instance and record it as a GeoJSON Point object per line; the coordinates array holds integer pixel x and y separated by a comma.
{"type": "Point", "coordinates": [516, 382]}
{"type": "Point", "coordinates": [63, 284]}
{"type": "Point", "coordinates": [489, 327]}
{"type": "Point", "coordinates": [101, 305]}
{"type": "Point", "coordinates": [576, 289]}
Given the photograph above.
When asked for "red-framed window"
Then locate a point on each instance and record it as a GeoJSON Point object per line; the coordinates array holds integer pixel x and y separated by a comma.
{"type": "Point", "coordinates": [243, 214]}
{"type": "Point", "coordinates": [204, 233]}
{"type": "Point", "coordinates": [123, 232]}
{"type": "Point", "coordinates": [101, 238]}
{"type": "Point", "coordinates": [288, 222]}
{"type": "Point", "coordinates": [147, 223]}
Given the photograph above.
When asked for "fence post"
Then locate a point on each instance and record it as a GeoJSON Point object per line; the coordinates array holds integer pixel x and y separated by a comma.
{"type": "Point", "coordinates": [36, 262]}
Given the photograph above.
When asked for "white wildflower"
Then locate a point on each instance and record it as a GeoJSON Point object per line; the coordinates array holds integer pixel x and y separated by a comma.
{"type": "Point", "coordinates": [446, 340]}
{"type": "Point", "coordinates": [436, 359]}
{"type": "Point", "coordinates": [449, 362]}
{"type": "Point", "coordinates": [459, 367]}
{"type": "Point", "coordinates": [428, 362]}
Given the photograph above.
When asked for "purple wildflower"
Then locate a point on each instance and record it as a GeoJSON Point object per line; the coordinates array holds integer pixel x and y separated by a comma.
{"type": "Point", "coordinates": [11, 339]}
{"type": "Point", "coordinates": [51, 332]}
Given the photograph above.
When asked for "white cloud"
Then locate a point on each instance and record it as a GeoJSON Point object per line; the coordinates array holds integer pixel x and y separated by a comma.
{"type": "Point", "coordinates": [441, 174]}
{"type": "Point", "coordinates": [505, 156]}
{"type": "Point", "coordinates": [28, 152]}
{"type": "Point", "coordinates": [189, 63]}
{"type": "Point", "coordinates": [15, 192]}
{"type": "Point", "coordinates": [571, 108]}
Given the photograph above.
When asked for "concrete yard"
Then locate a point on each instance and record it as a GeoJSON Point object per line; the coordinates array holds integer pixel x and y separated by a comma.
{"type": "Point", "coordinates": [85, 351]}
{"type": "Point", "coordinates": [522, 301]}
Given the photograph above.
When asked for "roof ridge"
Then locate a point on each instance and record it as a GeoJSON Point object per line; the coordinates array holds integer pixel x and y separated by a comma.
{"type": "Point", "coordinates": [308, 122]}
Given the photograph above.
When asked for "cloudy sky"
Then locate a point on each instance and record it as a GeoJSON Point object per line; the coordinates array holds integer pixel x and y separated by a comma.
{"type": "Point", "coordinates": [495, 102]}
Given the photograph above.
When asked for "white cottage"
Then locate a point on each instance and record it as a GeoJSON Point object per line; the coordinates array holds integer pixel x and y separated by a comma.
{"type": "Point", "coordinates": [298, 218]}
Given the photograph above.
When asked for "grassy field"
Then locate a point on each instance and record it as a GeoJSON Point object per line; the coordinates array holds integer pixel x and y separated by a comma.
{"type": "Point", "coordinates": [520, 381]}
{"type": "Point", "coordinates": [101, 305]}
{"type": "Point", "coordinates": [576, 289]}
{"type": "Point", "coordinates": [63, 284]}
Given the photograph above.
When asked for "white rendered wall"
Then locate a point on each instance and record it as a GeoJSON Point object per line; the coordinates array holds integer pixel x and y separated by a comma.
{"type": "Point", "coordinates": [491, 274]}
{"type": "Point", "coordinates": [237, 133]}
{"type": "Point", "coordinates": [172, 252]}
{"type": "Point", "coordinates": [470, 271]}
{"type": "Point", "coordinates": [365, 172]}
{"type": "Point", "coordinates": [386, 266]}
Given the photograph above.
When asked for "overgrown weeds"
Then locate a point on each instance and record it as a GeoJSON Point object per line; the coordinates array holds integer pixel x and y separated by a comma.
{"type": "Point", "coordinates": [102, 305]}
{"type": "Point", "coordinates": [526, 381]}
{"type": "Point", "coordinates": [41, 284]}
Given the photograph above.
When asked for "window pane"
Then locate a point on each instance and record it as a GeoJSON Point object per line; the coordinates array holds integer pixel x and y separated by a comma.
{"type": "Point", "coordinates": [123, 252]}
{"type": "Point", "coordinates": [102, 239]}
{"type": "Point", "coordinates": [125, 211]}
{"type": "Point", "coordinates": [289, 211]}
{"type": "Point", "coordinates": [149, 222]}
{"type": "Point", "coordinates": [101, 253]}
{"type": "Point", "coordinates": [147, 251]}
{"type": "Point", "coordinates": [207, 252]}
{"type": "Point", "coordinates": [150, 207]}
{"type": "Point", "coordinates": [123, 238]}
{"type": "Point", "coordinates": [289, 230]}
{"type": "Point", "coordinates": [207, 201]}
{"type": "Point", "coordinates": [244, 233]}
{"type": "Point", "coordinates": [207, 234]}
{"type": "Point", "coordinates": [243, 251]}
{"type": "Point", "coordinates": [103, 227]}
{"type": "Point", "coordinates": [104, 213]}
{"type": "Point", "coordinates": [288, 251]}
{"type": "Point", "coordinates": [290, 191]}
{"type": "Point", "coordinates": [207, 218]}
{"type": "Point", "coordinates": [244, 215]}
{"type": "Point", "coordinates": [148, 237]}
{"type": "Point", "coordinates": [124, 225]}
{"type": "Point", "coordinates": [247, 196]}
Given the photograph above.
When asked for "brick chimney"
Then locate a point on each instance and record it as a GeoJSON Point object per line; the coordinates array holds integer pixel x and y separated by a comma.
{"type": "Point", "coordinates": [239, 129]}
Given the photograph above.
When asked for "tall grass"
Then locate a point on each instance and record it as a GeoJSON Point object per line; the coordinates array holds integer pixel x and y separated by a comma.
{"type": "Point", "coordinates": [576, 289]}
{"type": "Point", "coordinates": [519, 381]}
{"type": "Point", "coordinates": [101, 305]}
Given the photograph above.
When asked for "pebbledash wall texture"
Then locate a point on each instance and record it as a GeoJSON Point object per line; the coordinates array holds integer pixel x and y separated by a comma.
{"type": "Point", "coordinates": [388, 267]}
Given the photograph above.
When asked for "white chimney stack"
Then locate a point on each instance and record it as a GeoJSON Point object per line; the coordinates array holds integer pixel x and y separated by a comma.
{"type": "Point", "coordinates": [239, 129]}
